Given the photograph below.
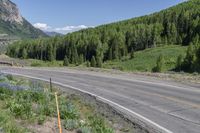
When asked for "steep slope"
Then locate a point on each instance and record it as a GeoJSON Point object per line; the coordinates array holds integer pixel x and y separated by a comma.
{"type": "Point", "coordinates": [13, 24]}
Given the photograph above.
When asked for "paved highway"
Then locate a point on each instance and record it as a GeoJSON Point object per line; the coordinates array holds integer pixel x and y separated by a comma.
{"type": "Point", "coordinates": [165, 106]}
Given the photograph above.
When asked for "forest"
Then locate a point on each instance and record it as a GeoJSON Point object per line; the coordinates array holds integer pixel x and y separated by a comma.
{"type": "Point", "coordinates": [178, 25]}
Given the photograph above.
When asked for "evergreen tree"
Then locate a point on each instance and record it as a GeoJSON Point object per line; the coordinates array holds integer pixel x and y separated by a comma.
{"type": "Point", "coordinates": [24, 53]}
{"type": "Point", "coordinates": [198, 60]}
{"type": "Point", "coordinates": [81, 59]}
{"type": "Point", "coordinates": [99, 62]}
{"type": "Point", "coordinates": [173, 34]}
{"type": "Point", "coordinates": [159, 64]}
{"type": "Point", "coordinates": [179, 63]}
{"type": "Point", "coordinates": [50, 56]}
{"type": "Point", "coordinates": [66, 61]}
{"type": "Point", "coordinates": [93, 62]}
{"type": "Point", "coordinates": [132, 54]}
{"type": "Point", "coordinates": [110, 56]}
{"type": "Point", "coordinates": [189, 59]}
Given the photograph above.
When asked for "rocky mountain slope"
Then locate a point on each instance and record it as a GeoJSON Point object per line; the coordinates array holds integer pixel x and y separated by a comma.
{"type": "Point", "coordinates": [13, 24]}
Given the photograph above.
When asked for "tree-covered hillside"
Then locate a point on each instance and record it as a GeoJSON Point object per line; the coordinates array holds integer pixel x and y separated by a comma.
{"type": "Point", "coordinates": [177, 25]}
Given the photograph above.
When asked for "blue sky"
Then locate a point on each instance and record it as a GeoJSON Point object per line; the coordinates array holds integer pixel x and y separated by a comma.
{"type": "Point", "coordinates": [69, 15]}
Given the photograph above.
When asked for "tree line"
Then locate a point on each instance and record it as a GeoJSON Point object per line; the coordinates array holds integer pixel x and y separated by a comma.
{"type": "Point", "coordinates": [178, 25]}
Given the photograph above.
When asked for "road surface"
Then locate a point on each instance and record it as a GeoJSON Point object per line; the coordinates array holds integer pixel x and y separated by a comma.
{"type": "Point", "coordinates": [165, 106]}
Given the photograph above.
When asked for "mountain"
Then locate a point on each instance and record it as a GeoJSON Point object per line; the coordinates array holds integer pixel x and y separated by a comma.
{"type": "Point", "coordinates": [178, 25]}
{"type": "Point", "coordinates": [13, 24]}
{"type": "Point", "coordinates": [52, 34]}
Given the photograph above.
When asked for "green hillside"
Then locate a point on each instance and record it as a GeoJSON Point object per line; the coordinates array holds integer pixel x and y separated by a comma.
{"type": "Point", "coordinates": [145, 60]}
{"type": "Point", "coordinates": [177, 25]}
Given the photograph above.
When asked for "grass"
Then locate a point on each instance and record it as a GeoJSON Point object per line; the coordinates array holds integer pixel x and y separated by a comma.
{"type": "Point", "coordinates": [40, 63]}
{"type": "Point", "coordinates": [35, 104]}
{"type": "Point", "coordinates": [145, 60]}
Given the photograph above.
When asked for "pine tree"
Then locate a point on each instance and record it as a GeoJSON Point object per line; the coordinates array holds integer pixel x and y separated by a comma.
{"type": "Point", "coordinates": [173, 35]}
{"type": "Point", "coordinates": [99, 62]}
{"type": "Point", "coordinates": [189, 59]}
{"type": "Point", "coordinates": [81, 59]}
{"type": "Point", "coordinates": [50, 56]}
{"type": "Point", "coordinates": [198, 60]}
{"type": "Point", "coordinates": [66, 61]}
{"type": "Point", "coordinates": [132, 54]}
{"type": "Point", "coordinates": [76, 58]}
{"type": "Point", "coordinates": [159, 64]}
{"type": "Point", "coordinates": [93, 62]}
{"type": "Point", "coordinates": [110, 56]}
{"type": "Point", "coordinates": [24, 53]}
{"type": "Point", "coordinates": [179, 63]}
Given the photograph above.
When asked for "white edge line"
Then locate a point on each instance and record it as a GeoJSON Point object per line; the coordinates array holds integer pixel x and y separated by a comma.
{"type": "Point", "coordinates": [101, 98]}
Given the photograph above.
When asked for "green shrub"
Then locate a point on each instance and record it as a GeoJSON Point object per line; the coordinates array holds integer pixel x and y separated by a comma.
{"type": "Point", "coordinates": [71, 124]}
{"type": "Point", "coordinates": [69, 111]}
{"type": "Point", "coordinates": [88, 64]}
{"type": "Point", "coordinates": [21, 108]}
{"type": "Point", "coordinates": [10, 77]}
{"type": "Point", "coordinates": [8, 125]}
{"type": "Point", "coordinates": [98, 125]}
{"type": "Point", "coordinates": [84, 130]}
{"type": "Point", "coordinates": [41, 119]}
{"type": "Point", "coordinates": [36, 64]}
{"type": "Point", "coordinates": [5, 93]}
{"type": "Point", "coordinates": [159, 64]}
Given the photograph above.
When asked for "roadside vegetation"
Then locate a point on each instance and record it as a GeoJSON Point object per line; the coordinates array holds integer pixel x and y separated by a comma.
{"type": "Point", "coordinates": [29, 106]}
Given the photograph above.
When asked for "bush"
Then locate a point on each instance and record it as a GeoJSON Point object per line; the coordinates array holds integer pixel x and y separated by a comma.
{"type": "Point", "coordinates": [36, 64]}
{"type": "Point", "coordinates": [10, 77]}
{"type": "Point", "coordinates": [84, 130]}
{"type": "Point", "coordinates": [71, 124]}
{"type": "Point", "coordinates": [5, 93]}
{"type": "Point", "coordinates": [159, 64]}
{"type": "Point", "coordinates": [41, 119]}
{"type": "Point", "coordinates": [88, 64]}
{"type": "Point", "coordinates": [21, 108]}
{"type": "Point", "coordinates": [98, 125]}
{"type": "Point", "coordinates": [68, 111]}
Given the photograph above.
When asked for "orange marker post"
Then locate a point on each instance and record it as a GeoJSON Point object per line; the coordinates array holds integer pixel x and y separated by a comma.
{"type": "Point", "coordinates": [59, 123]}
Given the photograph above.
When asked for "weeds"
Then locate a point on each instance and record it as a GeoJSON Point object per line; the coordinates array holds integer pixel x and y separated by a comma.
{"type": "Point", "coordinates": [32, 103]}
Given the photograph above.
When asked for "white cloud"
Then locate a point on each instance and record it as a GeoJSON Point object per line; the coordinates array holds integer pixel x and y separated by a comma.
{"type": "Point", "coordinates": [72, 28]}
{"type": "Point", "coordinates": [63, 30]}
{"type": "Point", "coordinates": [41, 26]}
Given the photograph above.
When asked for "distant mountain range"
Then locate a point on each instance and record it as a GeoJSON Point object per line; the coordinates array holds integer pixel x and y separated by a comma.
{"type": "Point", "coordinates": [52, 34]}
{"type": "Point", "coordinates": [13, 24]}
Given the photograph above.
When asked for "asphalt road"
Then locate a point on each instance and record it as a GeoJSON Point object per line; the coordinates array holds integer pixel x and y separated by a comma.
{"type": "Point", "coordinates": [166, 106]}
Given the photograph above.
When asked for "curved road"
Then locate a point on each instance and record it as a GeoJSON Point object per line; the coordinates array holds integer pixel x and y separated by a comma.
{"type": "Point", "coordinates": [165, 106]}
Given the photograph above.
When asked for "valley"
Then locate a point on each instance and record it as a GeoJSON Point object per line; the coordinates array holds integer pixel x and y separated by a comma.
{"type": "Point", "coordinates": [137, 75]}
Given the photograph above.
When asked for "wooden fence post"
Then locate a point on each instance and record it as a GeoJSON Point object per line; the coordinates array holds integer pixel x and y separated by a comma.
{"type": "Point", "coordinates": [51, 85]}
